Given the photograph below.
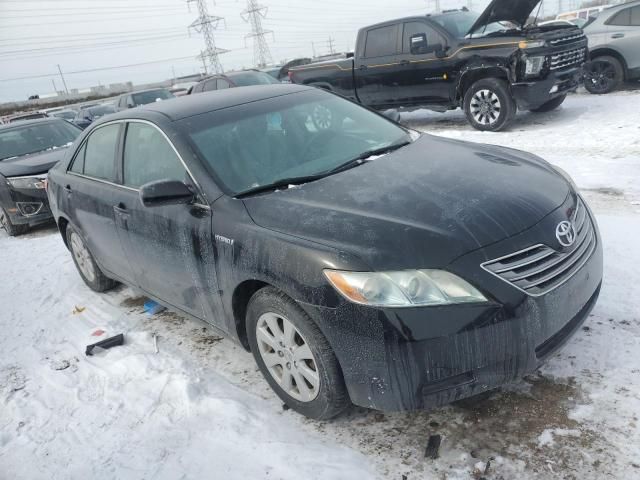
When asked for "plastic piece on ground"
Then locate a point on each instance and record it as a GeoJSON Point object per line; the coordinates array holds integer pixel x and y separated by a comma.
{"type": "Point", "coordinates": [107, 343]}
{"type": "Point", "coordinates": [152, 307]}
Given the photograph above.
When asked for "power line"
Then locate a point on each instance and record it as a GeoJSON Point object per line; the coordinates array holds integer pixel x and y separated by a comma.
{"type": "Point", "coordinates": [254, 15]}
{"type": "Point", "coordinates": [207, 24]}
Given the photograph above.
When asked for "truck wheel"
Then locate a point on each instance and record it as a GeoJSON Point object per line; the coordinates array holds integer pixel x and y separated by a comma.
{"type": "Point", "coordinates": [488, 105]}
{"type": "Point", "coordinates": [550, 105]}
{"type": "Point", "coordinates": [603, 75]}
{"type": "Point", "coordinates": [86, 265]}
{"type": "Point", "coordinates": [11, 229]}
{"type": "Point", "coordinates": [294, 356]}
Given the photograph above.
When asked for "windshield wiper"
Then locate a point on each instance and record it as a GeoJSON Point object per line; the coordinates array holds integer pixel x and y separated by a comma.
{"type": "Point", "coordinates": [285, 182]}
{"type": "Point", "coordinates": [360, 159]}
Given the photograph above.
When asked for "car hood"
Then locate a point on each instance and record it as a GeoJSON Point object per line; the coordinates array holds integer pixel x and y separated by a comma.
{"type": "Point", "coordinates": [421, 206]}
{"type": "Point", "coordinates": [32, 164]}
{"type": "Point", "coordinates": [516, 11]}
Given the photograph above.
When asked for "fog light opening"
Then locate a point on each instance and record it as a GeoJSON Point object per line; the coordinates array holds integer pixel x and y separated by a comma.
{"type": "Point", "coordinates": [554, 89]}
{"type": "Point", "coordinates": [29, 209]}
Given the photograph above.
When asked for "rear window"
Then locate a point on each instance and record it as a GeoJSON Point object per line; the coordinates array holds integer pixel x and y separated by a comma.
{"type": "Point", "coordinates": [144, 98]}
{"type": "Point", "coordinates": [36, 138]}
{"type": "Point", "coordinates": [245, 79]}
{"type": "Point", "coordinates": [381, 42]}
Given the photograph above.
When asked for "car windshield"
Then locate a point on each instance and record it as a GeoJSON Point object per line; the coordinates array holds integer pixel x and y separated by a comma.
{"type": "Point", "coordinates": [458, 24]}
{"type": "Point", "coordinates": [100, 111]}
{"type": "Point", "coordinates": [287, 137]}
{"type": "Point", "coordinates": [65, 114]}
{"type": "Point", "coordinates": [16, 142]}
{"type": "Point", "coordinates": [143, 98]}
{"type": "Point", "coordinates": [244, 79]}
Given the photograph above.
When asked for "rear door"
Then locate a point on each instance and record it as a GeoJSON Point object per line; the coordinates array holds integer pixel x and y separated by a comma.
{"type": "Point", "coordinates": [168, 244]}
{"type": "Point", "coordinates": [377, 64]}
{"type": "Point", "coordinates": [90, 189]}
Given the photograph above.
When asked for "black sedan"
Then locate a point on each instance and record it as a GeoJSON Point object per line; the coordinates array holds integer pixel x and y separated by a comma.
{"type": "Point", "coordinates": [28, 149]}
{"type": "Point", "coordinates": [363, 263]}
{"type": "Point", "coordinates": [243, 78]}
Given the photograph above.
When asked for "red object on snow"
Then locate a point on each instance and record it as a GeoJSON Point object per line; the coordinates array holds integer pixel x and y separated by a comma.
{"type": "Point", "coordinates": [97, 333]}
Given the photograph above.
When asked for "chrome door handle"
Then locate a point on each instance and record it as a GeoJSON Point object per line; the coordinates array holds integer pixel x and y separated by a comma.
{"type": "Point", "coordinates": [617, 35]}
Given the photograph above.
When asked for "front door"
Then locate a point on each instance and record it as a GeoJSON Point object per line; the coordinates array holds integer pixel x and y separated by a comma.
{"type": "Point", "coordinates": [171, 245]}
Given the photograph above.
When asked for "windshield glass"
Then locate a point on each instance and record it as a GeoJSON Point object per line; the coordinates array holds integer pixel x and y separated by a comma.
{"type": "Point", "coordinates": [144, 98]}
{"type": "Point", "coordinates": [100, 111]}
{"type": "Point", "coordinates": [36, 138]}
{"type": "Point", "coordinates": [245, 79]}
{"type": "Point", "coordinates": [297, 135]}
{"type": "Point", "coordinates": [66, 114]}
{"type": "Point", "coordinates": [458, 24]}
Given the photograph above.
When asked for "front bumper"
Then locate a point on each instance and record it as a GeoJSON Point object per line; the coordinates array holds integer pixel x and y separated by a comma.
{"type": "Point", "coordinates": [533, 94]}
{"type": "Point", "coordinates": [415, 358]}
{"type": "Point", "coordinates": [25, 206]}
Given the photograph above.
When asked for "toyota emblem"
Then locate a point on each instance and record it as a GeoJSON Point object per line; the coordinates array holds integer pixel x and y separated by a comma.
{"type": "Point", "coordinates": [566, 233]}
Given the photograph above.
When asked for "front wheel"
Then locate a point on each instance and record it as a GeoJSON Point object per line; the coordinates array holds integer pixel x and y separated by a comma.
{"type": "Point", "coordinates": [11, 229]}
{"type": "Point", "coordinates": [603, 75]}
{"type": "Point", "coordinates": [550, 105]}
{"type": "Point", "coordinates": [488, 105]}
{"type": "Point", "coordinates": [294, 356]}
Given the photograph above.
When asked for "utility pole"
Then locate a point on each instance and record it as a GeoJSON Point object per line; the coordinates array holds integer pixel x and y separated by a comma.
{"type": "Point", "coordinates": [55, 89]}
{"type": "Point", "coordinates": [173, 70]}
{"type": "Point", "coordinates": [438, 10]}
{"type": "Point", "coordinates": [470, 4]}
{"type": "Point", "coordinates": [63, 82]}
{"type": "Point", "coordinates": [313, 49]}
{"type": "Point", "coordinates": [253, 15]}
{"type": "Point", "coordinates": [207, 24]}
{"type": "Point", "coordinates": [331, 49]}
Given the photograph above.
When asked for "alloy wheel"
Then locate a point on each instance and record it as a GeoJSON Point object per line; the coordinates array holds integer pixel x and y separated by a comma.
{"type": "Point", "coordinates": [288, 357]}
{"type": "Point", "coordinates": [3, 220]}
{"type": "Point", "coordinates": [601, 75]}
{"type": "Point", "coordinates": [485, 107]}
{"type": "Point", "coordinates": [322, 117]}
{"type": "Point", "coordinates": [83, 257]}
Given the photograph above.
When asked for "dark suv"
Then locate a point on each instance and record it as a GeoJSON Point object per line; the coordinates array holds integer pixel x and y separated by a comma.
{"type": "Point", "coordinates": [370, 264]}
{"type": "Point", "coordinates": [243, 78]}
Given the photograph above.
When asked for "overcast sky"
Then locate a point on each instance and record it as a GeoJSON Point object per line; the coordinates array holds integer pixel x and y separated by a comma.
{"type": "Point", "coordinates": [36, 35]}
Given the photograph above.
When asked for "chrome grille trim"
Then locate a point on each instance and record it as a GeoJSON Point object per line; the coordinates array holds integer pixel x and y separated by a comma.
{"type": "Point", "coordinates": [567, 59]}
{"type": "Point", "coordinates": [570, 38]}
{"type": "Point", "coordinates": [540, 269]}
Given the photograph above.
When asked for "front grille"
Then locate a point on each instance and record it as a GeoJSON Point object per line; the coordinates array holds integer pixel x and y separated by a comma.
{"type": "Point", "coordinates": [538, 270]}
{"type": "Point", "coordinates": [566, 59]}
{"type": "Point", "coordinates": [568, 39]}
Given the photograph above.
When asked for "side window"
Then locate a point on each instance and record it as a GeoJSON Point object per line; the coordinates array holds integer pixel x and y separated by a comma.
{"type": "Point", "coordinates": [416, 28]}
{"type": "Point", "coordinates": [78, 163]}
{"type": "Point", "coordinates": [149, 157]}
{"type": "Point", "coordinates": [209, 85]}
{"type": "Point", "coordinates": [100, 152]}
{"type": "Point", "coordinates": [222, 83]}
{"type": "Point", "coordinates": [621, 19]}
{"type": "Point", "coordinates": [381, 41]}
{"type": "Point", "coordinates": [635, 16]}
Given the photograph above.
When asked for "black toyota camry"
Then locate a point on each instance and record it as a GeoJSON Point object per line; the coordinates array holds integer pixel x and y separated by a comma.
{"type": "Point", "coordinates": [364, 263]}
{"type": "Point", "coordinates": [28, 149]}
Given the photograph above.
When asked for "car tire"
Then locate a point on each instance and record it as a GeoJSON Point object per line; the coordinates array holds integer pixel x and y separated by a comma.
{"type": "Point", "coordinates": [86, 264]}
{"type": "Point", "coordinates": [550, 105]}
{"type": "Point", "coordinates": [310, 381]}
{"type": "Point", "coordinates": [604, 75]}
{"type": "Point", "coordinates": [11, 229]}
{"type": "Point", "coordinates": [488, 105]}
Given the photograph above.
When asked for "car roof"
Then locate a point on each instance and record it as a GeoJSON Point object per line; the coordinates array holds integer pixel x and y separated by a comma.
{"type": "Point", "coordinates": [34, 121]}
{"type": "Point", "coordinates": [190, 105]}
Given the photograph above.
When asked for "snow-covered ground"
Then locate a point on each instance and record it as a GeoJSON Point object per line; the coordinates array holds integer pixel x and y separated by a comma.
{"type": "Point", "coordinates": [199, 408]}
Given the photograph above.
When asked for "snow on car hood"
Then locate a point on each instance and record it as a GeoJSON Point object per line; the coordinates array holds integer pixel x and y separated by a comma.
{"type": "Point", "coordinates": [32, 164]}
{"type": "Point", "coordinates": [421, 206]}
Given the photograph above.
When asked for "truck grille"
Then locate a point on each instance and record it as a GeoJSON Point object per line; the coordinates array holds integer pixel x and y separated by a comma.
{"type": "Point", "coordinates": [566, 59]}
{"type": "Point", "coordinates": [565, 40]}
{"type": "Point", "coordinates": [538, 270]}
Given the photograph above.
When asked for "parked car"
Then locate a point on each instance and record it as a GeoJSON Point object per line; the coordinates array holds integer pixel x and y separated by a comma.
{"type": "Point", "coordinates": [243, 78]}
{"type": "Point", "coordinates": [66, 114]}
{"type": "Point", "coordinates": [180, 89]}
{"type": "Point", "coordinates": [369, 264]}
{"type": "Point", "coordinates": [25, 116]}
{"type": "Point", "coordinates": [27, 151]}
{"type": "Point", "coordinates": [489, 64]}
{"type": "Point", "coordinates": [614, 40]}
{"type": "Point", "coordinates": [142, 97]}
{"type": "Point", "coordinates": [87, 116]}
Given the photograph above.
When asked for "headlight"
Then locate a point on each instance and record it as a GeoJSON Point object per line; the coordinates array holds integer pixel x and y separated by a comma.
{"type": "Point", "coordinates": [566, 176]}
{"type": "Point", "coordinates": [409, 288]}
{"type": "Point", "coordinates": [533, 65]}
{"type": "Point", "coordinates": [524, 45]}
{"type": "Point", "coordinates": [37, 182]}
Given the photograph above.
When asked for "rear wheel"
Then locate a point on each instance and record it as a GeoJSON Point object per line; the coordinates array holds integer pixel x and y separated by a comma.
{"type": "Point", "coordinates": [294, 356]}
{"type": "Point", "coordinates": [550, 105]}
{"type": "Point", "coordinates": [11, 229]}
{"type": "Point", "coordinates": [488, 105]}
{"type": "Point", "coordinates": [85, 263]}
{"type": "Point", "coordinates": [604, 75]}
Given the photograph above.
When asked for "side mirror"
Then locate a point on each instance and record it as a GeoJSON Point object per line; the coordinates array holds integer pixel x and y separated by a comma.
{"type": "Point", "coordinates": [130, 104]}
{"type": "Point", "coordinates": [165, 192]}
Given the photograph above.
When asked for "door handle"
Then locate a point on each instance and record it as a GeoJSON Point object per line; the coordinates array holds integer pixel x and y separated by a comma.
{"type": "Point", "coordinates": [120, 208]}
{"type": "Point", "coordinates": [67, 188]}
{"type": "Point", "coordinates": [404, 62]}
{"type": "Point", "coordinates": [363, 67]}
{"type": "Point", "coordinates": [617, 35]}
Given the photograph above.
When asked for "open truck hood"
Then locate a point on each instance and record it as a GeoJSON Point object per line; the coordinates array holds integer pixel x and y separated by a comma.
{"type": "Point", "coordinates": [516, 11]}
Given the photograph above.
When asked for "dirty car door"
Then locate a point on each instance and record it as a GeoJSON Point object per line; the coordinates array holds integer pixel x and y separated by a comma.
{"type": "Point", "coordinates": [170, 244]}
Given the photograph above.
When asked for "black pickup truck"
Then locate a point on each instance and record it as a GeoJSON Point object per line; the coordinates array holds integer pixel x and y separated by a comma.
{"type": "Point", "coordinates": [490, 64]}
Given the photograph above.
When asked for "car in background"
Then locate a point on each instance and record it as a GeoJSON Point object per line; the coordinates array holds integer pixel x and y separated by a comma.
{"type": "Point", "coordinates": [242, 78]}
{"type": "Point", "coordinates": [582, 16]}
{"type": "Point", "coordinates": [27, 151]}
{"type": "Point", "coordinates": [66, 114]}
{"type": "Point", "coordinates": [142, 97]}
{"type": "Point", "coordinates": [87, 116]}
{"type": "Point", "coordinates": [25, 116]}
{"type": "Point", "coordinates": [180, 89]}
{"type": "Point", "coordinates": [281, 72]}
{"type": "Point", "coordinates": [614, 42]}
{"type": "Point", "coordinates": [368, 264]}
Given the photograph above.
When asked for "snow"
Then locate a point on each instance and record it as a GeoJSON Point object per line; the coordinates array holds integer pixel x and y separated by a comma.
{"type": "Point", "coordinates": [200, 409]}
